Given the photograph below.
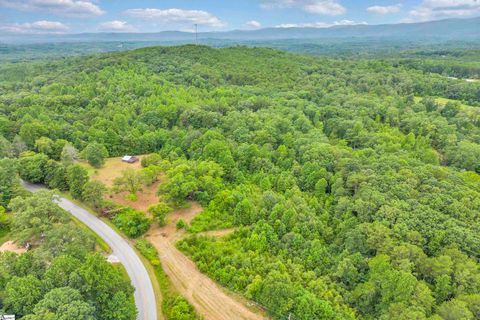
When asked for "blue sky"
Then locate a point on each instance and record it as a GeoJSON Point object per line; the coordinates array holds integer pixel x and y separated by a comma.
{"type": "Point", "coordinates": [75, 16]}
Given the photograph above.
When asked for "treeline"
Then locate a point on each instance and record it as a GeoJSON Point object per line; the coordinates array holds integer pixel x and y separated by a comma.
{"type": "Point", "coordinates": [448, 68]}
{"type": "Point", "coordinates": [354, 194]}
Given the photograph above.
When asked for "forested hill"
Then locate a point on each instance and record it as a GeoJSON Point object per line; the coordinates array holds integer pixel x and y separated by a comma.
{"type": "Point", "coordinates": [353, 184]}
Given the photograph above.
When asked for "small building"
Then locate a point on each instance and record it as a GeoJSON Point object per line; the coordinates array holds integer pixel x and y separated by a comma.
{"type": "Point", "coordinates": [129, 159]}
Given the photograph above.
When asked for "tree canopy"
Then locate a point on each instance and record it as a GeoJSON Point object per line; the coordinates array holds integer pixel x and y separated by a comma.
{"type": "Point", "coordinates": [352, 184]}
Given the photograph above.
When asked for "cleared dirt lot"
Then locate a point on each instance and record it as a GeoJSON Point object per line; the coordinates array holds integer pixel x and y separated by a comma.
{"type": "Point", "coordinates": [146, 198]}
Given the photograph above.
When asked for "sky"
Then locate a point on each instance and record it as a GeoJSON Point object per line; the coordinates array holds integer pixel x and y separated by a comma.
{"type": "Point", "coordinates": [78, 16]}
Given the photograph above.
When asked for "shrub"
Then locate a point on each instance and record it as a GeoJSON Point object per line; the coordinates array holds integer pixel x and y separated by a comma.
{"type": "Point", "coordinates": [132, 222]}
{"type": "Point", "coordinates": [179, 308]}
{"type": "Point", "coordinates": [160, 212]}
{"type": "Point", "coordinates": [181, 224]}
{"type": "Point", "coordinates": [148, 251]}
{"type": "Point", "coordinates": [5, 220]}
{"type": "Point", "coordinates": [150, 174]}
{"type": "Point", "coordinates": [152, 159]}
{"type": "Point", "coordinates": [131, 197]}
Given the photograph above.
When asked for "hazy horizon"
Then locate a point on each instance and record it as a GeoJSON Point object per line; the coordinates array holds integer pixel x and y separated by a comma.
{"type": "Point", "coordinates": [146, 16]}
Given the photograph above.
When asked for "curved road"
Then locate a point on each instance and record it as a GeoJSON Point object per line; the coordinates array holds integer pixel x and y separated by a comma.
{"type": "Point", "coordinates": [144, 294]}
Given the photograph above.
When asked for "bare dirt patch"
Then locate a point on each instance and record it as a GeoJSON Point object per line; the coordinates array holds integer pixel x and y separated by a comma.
{"type": "Point", "coordinates": [145, 198]}
{"type": "Point", "coordinates": [170, 230]}
{"type": "Point", "coordinates": [11, 246]}
{"type": "Point", "coordinates": [210, 300]}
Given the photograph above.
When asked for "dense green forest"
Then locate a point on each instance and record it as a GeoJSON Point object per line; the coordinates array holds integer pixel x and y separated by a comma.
{"type": "Point", "coordinates": [61, 276]}
{"type": "Point", "coordinates": [353, 183]}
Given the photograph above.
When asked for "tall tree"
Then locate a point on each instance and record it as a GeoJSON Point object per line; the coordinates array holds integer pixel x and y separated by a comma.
{"type": "Point", "coordinates": [69, 154]}
{"type": "Point", "coordinates": [77, 176]}
{"type": "Point", "coordinates": [62, 304]}
{"type": "Point", "coordinates": [95, 153]}
{"type": "Point", "coordinates": [35, 215]}
{"type": "Point", "coordinates": [31, 167]}
{"type": "Point", "coordinates": [8, 181]}
{"type": "Point", "coordinates": [93, 193]}
{"type": "Point", "coordinates": [22, 293]}
{"type": "Point", "coordinates": [130, 180]}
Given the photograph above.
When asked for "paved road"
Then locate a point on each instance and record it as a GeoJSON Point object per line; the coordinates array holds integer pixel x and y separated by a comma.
{"type": "Point", "coordinates": [144, 294]}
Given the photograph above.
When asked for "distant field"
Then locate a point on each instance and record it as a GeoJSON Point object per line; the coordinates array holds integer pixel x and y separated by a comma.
{"type": "Point", "coordinates": [443, 101]}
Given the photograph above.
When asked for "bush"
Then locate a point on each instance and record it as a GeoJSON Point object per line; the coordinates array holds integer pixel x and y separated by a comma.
{"type": "Point", "coordinates": [152, 159]}
{"type": "Point", "coordinates": [150, 174]}
{"type": "Point", "coordinates": [160, 212]}
{"type": "Point", "coordinates": [132, 222]}
{"type": "Point", "coordinates": [131, 197]}
{"type": "Point", "coordinates": [148, 251]}
{"type": "Point", "coordinates": [181, 224]}
{"type": "Point", "coordinates": [178, 308]}
{"type": "Point", "coordinates": [5, 220]}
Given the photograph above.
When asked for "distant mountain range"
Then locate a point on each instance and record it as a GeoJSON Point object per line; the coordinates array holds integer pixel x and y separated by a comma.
{"type": "Point", "coordinates": [450, 29]}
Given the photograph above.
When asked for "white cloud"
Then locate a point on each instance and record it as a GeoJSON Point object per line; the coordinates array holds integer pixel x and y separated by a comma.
{"type": "Point", "coordinates": [321, 24]}
{"type": "Point", "coordinates": [42, 26]}
{"type": "Point", "coordinates": [321, 7]}
{"type": "Point", "coordinates": [440, 9]}
{"type": "Point", "coordinates": [116, 25]}
{"type": "Point", "coordinates": [71, 8]}
{"type": "Point", "coordinates": [177, 17]}
{"type": "Point", "coordinates": [385, 9]}
{"type": "Point", "coordinates": [253, 24]}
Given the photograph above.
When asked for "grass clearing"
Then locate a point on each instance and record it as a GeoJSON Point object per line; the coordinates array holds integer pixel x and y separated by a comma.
{"type": "Point", "coordinates": [112, 169]}
{"type": "Point", "coordinates": [443, 101]}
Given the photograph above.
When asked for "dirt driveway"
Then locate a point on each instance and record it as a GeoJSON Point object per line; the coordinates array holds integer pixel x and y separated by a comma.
{"type": "Point", "coordinates": [210, 300]}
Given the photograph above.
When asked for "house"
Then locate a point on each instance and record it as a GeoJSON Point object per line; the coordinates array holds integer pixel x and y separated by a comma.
{"type": "Point", "coordinates": [130, 159]}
